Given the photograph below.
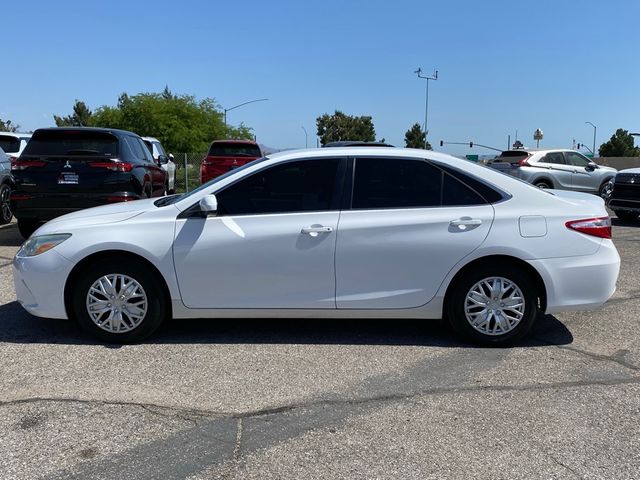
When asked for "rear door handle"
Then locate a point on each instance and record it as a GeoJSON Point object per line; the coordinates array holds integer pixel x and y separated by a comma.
{"type": "Point", "coordinates": [314, 230]}
{"type": "Point", "coordinates": [465, 223]}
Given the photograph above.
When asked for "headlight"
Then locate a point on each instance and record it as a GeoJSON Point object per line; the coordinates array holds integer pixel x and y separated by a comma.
{"type": "Point", "coordinates": [40, 244]}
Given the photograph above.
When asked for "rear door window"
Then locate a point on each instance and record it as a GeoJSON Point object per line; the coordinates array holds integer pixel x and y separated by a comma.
{"type": "Point", "coordinates": [221, 149]}
{"type": "Point", "coordinates": [72, 143]}
{"type": "Point", "coordinates": [9, 144]}
{"type": "Point", "coordinates": [554, 157]}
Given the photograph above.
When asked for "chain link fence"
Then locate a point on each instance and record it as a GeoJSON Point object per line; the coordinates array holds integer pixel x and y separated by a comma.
{"type": "Point", "coordinates": [187, 171]}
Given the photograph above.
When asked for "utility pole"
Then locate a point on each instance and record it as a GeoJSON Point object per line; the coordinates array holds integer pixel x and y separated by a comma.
{"type": "Point", "coordinates": [594, 138]}
{"type": "Point", "coordinates": [306, 137]}
{"type": "Point", "coordinates": [240, 105]}
{"type": "Point", "coordinates": [426, 102]}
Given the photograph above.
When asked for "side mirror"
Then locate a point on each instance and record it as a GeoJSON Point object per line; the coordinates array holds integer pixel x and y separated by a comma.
{"type": "Point", "coordinates": [161, 160]}
{"type": "Point", "coordinates": [209, 204]}
{"type": "Point", "coordinates": [171, 157]}
{"type": "Point", "coordinates": [591, 166]}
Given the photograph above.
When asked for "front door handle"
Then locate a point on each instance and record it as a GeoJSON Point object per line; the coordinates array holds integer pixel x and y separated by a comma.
{"type": "Point", "coordinates": [316, 230]}
{"type": "Point", "coordinates": [465, 223]}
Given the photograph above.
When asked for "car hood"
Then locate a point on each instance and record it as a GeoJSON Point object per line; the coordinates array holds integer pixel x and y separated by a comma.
{"type": "Point", "coordinates": [114, 213]}
{"type": "Point", "coordinates": [630, 170]}
{"type": "Point", "coordinates": [607, 169]}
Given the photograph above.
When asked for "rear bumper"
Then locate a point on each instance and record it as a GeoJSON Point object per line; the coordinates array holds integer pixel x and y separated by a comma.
{"type": "Point", "coordinates": [39, 282]}
{"type": "Point", "coordinates": [47, 206]}
{"type": "Point", "coordinates": [580, 283]}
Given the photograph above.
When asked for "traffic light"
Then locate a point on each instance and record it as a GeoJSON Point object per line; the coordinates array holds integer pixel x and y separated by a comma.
{"type": "Point", "coordinates": [442, 143]}
{"type": "Point", "coordinates": [470, 144]}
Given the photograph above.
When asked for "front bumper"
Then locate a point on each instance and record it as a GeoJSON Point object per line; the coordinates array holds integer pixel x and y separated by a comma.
{"type": "Point", "coordinates": [39, 283]}
{"type": "Point", "coordinates": [582, 282]}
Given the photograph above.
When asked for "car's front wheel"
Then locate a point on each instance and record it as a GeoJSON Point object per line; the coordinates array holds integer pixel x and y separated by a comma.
{"type": "Point", "coordinates": [5, 207]}
{"type": "Point", "coordinates": [626, 215]}
{"type": "Point", "coordinates": [493, 306]}
{"type": "Point", "coordinates": [118, 301]}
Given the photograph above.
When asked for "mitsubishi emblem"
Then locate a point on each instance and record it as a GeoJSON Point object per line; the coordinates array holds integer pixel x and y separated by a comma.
{"type": "Point", "coordinates": [67, 165]}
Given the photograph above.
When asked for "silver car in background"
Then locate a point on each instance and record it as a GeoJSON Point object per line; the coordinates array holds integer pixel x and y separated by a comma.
{"type": "Point", "coordinates": [561, 169]}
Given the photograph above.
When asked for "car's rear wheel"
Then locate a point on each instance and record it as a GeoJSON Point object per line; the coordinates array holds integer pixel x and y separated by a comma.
{"type": "Point", "coordinates": [626, 216]}
{"type": "Point", "coordinates": [27, 227]}
{"type": "Point", "coordinates": [543, 184]}
{"type": "Point", "coordinates": [605, 189]}
{"type": "Point", "coordinates": [5, 207]}
{"type": "Point", "coordinates": [118, 301]}
{"type": "Point", "coordinates": [493, 305]}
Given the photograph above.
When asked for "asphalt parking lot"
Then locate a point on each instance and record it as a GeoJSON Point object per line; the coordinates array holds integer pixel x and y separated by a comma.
{"type": "Point", "coordinates": [262, 399]}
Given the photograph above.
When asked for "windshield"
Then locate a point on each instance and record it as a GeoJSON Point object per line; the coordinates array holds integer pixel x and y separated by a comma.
{"type": "Point", "coordinates": [9, 143]}
{"type": "Point", "coordinates": [177, 198]}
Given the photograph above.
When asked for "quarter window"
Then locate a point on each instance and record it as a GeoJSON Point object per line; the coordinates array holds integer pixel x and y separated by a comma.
{"type": "Point", "coordinates": [300, 186]}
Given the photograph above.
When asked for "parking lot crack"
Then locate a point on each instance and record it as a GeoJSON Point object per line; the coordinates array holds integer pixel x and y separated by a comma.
{"type": "Point", "coordinates": [619, 356]}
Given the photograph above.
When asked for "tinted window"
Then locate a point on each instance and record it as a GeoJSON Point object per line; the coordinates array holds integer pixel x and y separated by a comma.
{"type": "Point", "coordinates": [392, 182]}
{"type": "Point", "coordinates": [486, 193]}
{"type": "Point", "coordinates": [136, 148]}
{"type": "Point", "coordinates": [72, 142]}
{"type": "Point", "coordinates": [511, 156]}
{"type": "Point", "coordinates": [455, 192]}
{"type": "Point", "coordinates": [146, 153]}
{"type": "Point", "coordinates": [222, 149]}
{"type": "Point", "coordinates": [301, 186]}
{"type": "Point", "coordinates": [576, 159]}
{"type": "Point", "coordinates": [553, 157]}
{"type": "Point", "coordinates": [9, 144]}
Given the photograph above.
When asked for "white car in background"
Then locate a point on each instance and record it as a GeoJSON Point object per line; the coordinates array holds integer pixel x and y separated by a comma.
{"type": "Point", "coordinates": [13, 143]}
{"type": "Point", "coordinates": [164, 160]}
{"type": "Point", "coordinates": [328, 233]}
{"type": "Point", "coordinates": [5, 188]}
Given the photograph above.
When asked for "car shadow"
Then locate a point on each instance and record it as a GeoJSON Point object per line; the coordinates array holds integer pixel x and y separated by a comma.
{"type": "Point", "coordinates": [10, 236]}
{"type": "Point", "coordinates": [17, 326]}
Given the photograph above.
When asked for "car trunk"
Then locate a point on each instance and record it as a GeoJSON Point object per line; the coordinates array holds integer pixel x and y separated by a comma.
{"type": "Point", "coordinates": [509, 161]}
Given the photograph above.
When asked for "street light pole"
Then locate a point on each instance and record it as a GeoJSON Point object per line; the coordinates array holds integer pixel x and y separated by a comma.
{"type": "Point", "coordinates": [595, 129]}
{"type": "Point", "coordinates": [241, 105]}
{"type": "Point", "coordinates": [306, 137]}
{"type": "Point", "coordinates": [426, 102]}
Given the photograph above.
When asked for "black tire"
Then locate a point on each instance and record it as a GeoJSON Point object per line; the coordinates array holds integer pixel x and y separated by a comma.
{"type": "Point", "coordinates": [5, 207]}
{"type": "Point", "coordinates": [543, 184]}
{"type": "Point", "coordinates": [626, 215]}
{"type": "Point", "coordinates": [27, 227]}
{"type": "Point", "coordinates": [156, 301]}
{"type": "Point", "coordinates": [456, 300]}
{"type": "Point", "coordinates": [605, 189]}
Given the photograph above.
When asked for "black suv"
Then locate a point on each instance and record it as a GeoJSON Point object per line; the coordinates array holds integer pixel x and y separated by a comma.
{"type": "Point", "coordinates": [62, 170]}
{"type": "Point", "coordinates": [625, 196]}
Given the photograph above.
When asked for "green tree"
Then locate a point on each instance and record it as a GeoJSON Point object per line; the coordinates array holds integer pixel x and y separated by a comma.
{"type": "Point", "coordinates": [81, 116]}
{"type": "Point", "coordinates": [415, 137]}
{"type": "Point", "coordinates": [8, 126]}
{"type": "Point", "coordinates": [619, 145]}
{"type": "Point", "coordinates": [336, 127]}
{"type": "Point", "coordinates": [181, 122]}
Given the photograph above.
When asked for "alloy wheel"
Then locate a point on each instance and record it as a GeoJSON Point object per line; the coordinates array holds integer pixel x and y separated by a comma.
{"type": "Point", "coordinates": [5, 207]}
{"type": "Point", "coordinates": [494, 306]}
{"type": "Point", "coordinates": [116, 303]}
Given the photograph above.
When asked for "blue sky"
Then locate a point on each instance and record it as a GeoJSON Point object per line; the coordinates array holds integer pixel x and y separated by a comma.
{"type": "Point", "coordinates": [503, 65]}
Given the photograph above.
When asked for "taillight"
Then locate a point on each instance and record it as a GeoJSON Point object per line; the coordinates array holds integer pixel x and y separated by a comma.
{"type": "Point", "coordinates": [17, 165]}
{"type": "Point", "coordinates": [113, 166]}
{"type": "Point", "coordinates": [524, 162]}
{"type": "Point", "coordinates": [597, 227]}
{"type": "Point", "coordinates": [121, 198]}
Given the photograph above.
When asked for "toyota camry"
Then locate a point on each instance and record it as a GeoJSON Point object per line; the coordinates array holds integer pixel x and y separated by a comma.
{"type": "Point", "coordinates": [331, 233]}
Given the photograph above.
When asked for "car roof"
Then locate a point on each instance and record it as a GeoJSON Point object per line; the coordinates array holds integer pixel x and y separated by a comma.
{"type": "Point", "coordinates": [114, 131]}
{"type": "Point", "coordinates": [356, 143]}
{"type": "Point", "coordinates": [151, 139]}
{"type": "Point", "coordinates": [246, 142]}
{"type": "Point", "coordinates": [539, 150]}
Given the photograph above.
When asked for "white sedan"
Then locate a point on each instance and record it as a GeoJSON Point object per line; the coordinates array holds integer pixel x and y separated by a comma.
{"type": "Point", "coordinates": [350, 233]}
